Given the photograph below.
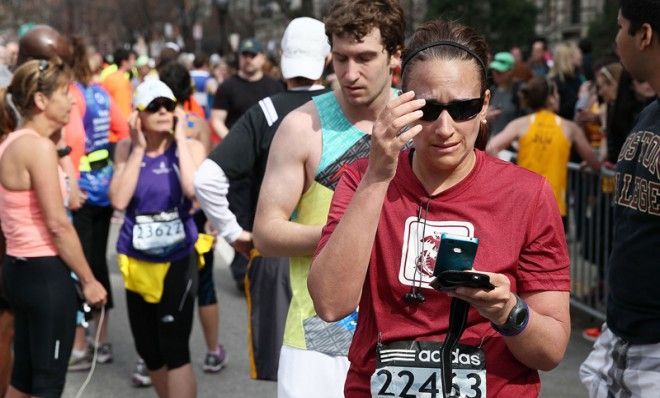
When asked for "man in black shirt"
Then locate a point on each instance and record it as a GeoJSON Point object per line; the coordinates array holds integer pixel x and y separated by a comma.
{"type": "Point", "coordinates": [238, 93]}
{"type": "Point", "coordinates": [624, 361]}
{"type": "Point", "coordinates": [243, 153]}
{"type": "Point", "coordinates": [232, 99]}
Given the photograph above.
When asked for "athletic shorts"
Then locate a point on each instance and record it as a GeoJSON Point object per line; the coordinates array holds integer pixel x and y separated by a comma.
{"type": "Point", "coordinates": [305, 373]}
{"type": "Point", "coordinates": [206, 289]}
{"type": "Point", "coordinates": [44, 300]}
{"type": "Point", "coordinates": [618, 369]}
{"type": "Point", "coordinates": [161, 331]}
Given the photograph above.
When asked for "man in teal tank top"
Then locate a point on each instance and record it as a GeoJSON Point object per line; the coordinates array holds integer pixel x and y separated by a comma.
{"type": "Point", "coordinates": [307, 156]}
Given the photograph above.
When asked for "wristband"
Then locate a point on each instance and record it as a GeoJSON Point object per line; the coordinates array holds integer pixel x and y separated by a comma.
{"type": "Point", "coordinates": [62, 152]}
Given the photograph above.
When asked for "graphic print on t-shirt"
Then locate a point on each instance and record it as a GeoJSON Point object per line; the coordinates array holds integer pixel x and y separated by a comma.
{"type": "Point", "coordinates": [421, 240]}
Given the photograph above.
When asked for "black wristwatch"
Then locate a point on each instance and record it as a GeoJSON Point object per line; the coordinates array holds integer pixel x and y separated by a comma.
{"type": "Point", "coordinates": [62, 152]}
{"type": "Point", "coordinates": [516, 321]}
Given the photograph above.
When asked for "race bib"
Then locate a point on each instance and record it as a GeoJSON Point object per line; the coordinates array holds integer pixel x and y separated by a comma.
{"type": "Point", "coordinates": [158, 234]}
{"type": "Point", "coordinates": [409, 369]}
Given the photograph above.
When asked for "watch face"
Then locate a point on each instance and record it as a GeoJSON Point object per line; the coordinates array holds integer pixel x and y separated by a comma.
{"type": "Point", "coordinates": [520, 316]}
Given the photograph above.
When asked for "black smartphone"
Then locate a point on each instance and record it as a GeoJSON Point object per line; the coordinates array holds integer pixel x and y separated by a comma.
{"type": "Point", "coordinates": [447, 280]}
{"type": "Point", "coordinates": [456, 253]}
{"type": "Point", "coordinates": [174, 122]}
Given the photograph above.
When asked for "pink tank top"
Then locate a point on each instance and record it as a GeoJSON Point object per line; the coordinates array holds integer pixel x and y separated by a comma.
{"type": "Point", "coordinates": [21, 217]}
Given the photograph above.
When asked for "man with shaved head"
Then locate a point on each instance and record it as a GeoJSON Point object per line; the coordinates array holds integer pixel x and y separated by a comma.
{"type": "Point", "coordinates": [43, 42]}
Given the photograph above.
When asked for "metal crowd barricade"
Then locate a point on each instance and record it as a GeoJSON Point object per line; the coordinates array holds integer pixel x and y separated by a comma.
{"type": "Point", "coordinates": [589, 236]}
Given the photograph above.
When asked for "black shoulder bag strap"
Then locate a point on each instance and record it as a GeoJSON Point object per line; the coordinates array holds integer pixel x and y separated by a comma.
{"type": "Point", "coordinates": [457, 319]}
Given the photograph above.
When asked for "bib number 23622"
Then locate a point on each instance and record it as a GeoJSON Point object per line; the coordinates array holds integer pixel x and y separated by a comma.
{"type": "Point", "coordinates": [415, 372]}
{"type": "Point", "coordinates": [158, 232]}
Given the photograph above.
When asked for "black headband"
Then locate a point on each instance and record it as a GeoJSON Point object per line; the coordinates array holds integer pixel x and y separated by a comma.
{"type": "Point", "coordinates": [410, 56]}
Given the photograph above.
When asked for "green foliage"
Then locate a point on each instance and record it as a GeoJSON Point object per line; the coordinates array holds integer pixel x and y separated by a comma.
{"type": "Point", "coordinates": [602, 30]}
{"type": "Point", "coordinates": [505, 23]}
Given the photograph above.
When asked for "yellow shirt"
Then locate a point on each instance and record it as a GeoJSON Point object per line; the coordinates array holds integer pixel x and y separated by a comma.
{"type": "Point", "coordinates": [545, 150]}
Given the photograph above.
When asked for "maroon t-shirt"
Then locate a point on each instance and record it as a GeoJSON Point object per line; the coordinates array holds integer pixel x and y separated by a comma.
{"type": "Point", "coordinates": [515, 216]}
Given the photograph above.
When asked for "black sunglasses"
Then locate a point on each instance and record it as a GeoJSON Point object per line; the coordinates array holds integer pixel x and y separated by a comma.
{"type": "Point", "coordinates": [155, 105]}
{"type": "Point", "coordinates": [458, 110]}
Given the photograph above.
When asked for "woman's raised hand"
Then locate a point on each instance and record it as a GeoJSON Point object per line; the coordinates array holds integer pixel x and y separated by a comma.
{"type": "Point", "coordinates": [135, 126]}
{"type": "Point", "coordinates": [181, 124]}
{"type": "Point", "coordinates": [394, 127]}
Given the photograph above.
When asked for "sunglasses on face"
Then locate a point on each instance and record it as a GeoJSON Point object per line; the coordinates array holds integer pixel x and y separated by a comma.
{"type": "Point", "coordinates": [458, 110]}
{"type": "Point", "coordinates": [155, 105]}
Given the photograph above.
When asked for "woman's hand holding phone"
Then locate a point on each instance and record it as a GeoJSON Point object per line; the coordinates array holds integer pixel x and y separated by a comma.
{"type": "Point", "coordinates": [490, 293]}
{"type": "Point", "coordinates": [495, 304]}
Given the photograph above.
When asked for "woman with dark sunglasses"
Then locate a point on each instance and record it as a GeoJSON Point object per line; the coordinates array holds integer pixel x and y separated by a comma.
{"type": "Point", "coordinates": [153, 183]}
{"type": "Point", "coordinates": [42, 245]}
{"type": "Point", "coordinates": [379, 248]}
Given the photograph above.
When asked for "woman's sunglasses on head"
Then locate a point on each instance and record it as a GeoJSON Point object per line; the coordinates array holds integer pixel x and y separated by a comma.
{"type": "Point", "coordinates": [155, 105]}
{"type": "Point", "coordinates": [460, 111]}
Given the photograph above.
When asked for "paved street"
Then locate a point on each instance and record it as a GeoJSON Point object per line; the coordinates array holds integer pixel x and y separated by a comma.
{"type": "Point", "coordinates": [113, 380]}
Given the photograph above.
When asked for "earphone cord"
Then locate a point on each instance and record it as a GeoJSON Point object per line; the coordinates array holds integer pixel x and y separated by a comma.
{"type": "Point", "coordinates": [97, 338]}
{"type": "Point", "coordinates": [418, 283]}
{"type": "Point", "coordinates": [426, 214]}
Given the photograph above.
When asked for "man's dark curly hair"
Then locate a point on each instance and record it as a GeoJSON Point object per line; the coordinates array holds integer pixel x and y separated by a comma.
{"type": "Point", "coordinates": [357, 18]}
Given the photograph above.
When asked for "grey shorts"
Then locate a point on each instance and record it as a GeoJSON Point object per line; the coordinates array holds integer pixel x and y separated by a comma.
{"type": "Point", "coordinates": [617, 369]}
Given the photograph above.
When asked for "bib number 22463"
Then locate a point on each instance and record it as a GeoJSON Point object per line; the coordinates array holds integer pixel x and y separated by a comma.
{"type": "Point", "coordinates": [426, 382]}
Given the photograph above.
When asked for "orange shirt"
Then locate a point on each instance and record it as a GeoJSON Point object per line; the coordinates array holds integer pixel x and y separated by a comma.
{"type": "Point", "coordinates": [74, 131]}
{"type": "Point", "coordinates": [192, 106]}
{"type": "Point", "coordinates": [121, 91]}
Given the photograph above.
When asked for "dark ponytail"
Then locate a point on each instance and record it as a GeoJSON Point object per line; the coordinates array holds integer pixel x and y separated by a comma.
{"type": "Point", "coordinates": [82, 72]}
{"type": "Point", "coordinates": [482, 137]}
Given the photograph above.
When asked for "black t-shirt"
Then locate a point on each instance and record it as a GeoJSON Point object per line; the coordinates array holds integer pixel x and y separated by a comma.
{"type": "Point", "coordinates": [633, 308]}
{"type": "Point", "coordinates": [243, 153]}
{"type": "Point", "coordinates": [236, 95]}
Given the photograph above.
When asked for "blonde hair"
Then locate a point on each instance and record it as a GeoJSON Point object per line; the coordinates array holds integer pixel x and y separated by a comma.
{"type": "Point", "coordinates": [563, 57]}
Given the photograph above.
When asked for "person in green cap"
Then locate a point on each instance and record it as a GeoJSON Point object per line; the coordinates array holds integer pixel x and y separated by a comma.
{"type": "Point", "coordinates": [504, 103]}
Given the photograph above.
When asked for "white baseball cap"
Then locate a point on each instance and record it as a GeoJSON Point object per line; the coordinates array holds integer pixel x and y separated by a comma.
{"type": "Point", "coordinates": [304, 48]}
{"type": "Point", "coordinates": [149, 90]}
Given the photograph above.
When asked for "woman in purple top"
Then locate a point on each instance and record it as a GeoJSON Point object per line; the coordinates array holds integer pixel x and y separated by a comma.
{"type": "Point", "coordinates": [153, 183]}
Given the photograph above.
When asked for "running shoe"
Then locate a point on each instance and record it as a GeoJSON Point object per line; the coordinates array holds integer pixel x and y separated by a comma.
{"type": "Point", "coordinates": [591, 334]}
{"type": "Point", "coordinates": [215, 361]}
{"type": "Point", "coordinates": [104, 353]}
{"type": "Point", "coordinates": [79, 362]}
{"type": "Point", "coordinates": [140, 376]}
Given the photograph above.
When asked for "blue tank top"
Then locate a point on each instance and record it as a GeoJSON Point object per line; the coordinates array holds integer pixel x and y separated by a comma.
{"type": "Point", "coordinates": [158, 226]}
{"type": "Point", "coordinates": [199, 79]}
{"type": "Point", "coordinates": [96, 165]}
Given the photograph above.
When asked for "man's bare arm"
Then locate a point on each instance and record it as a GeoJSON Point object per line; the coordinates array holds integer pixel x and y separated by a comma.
{"type": "Point", "coordinates": [218, 119]}
{"type": "Point", "coordinates": [282, 188]}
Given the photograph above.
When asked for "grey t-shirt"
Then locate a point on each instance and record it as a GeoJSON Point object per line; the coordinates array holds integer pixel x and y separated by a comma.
{"type": "Point", "coordinates": [504, 101]}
